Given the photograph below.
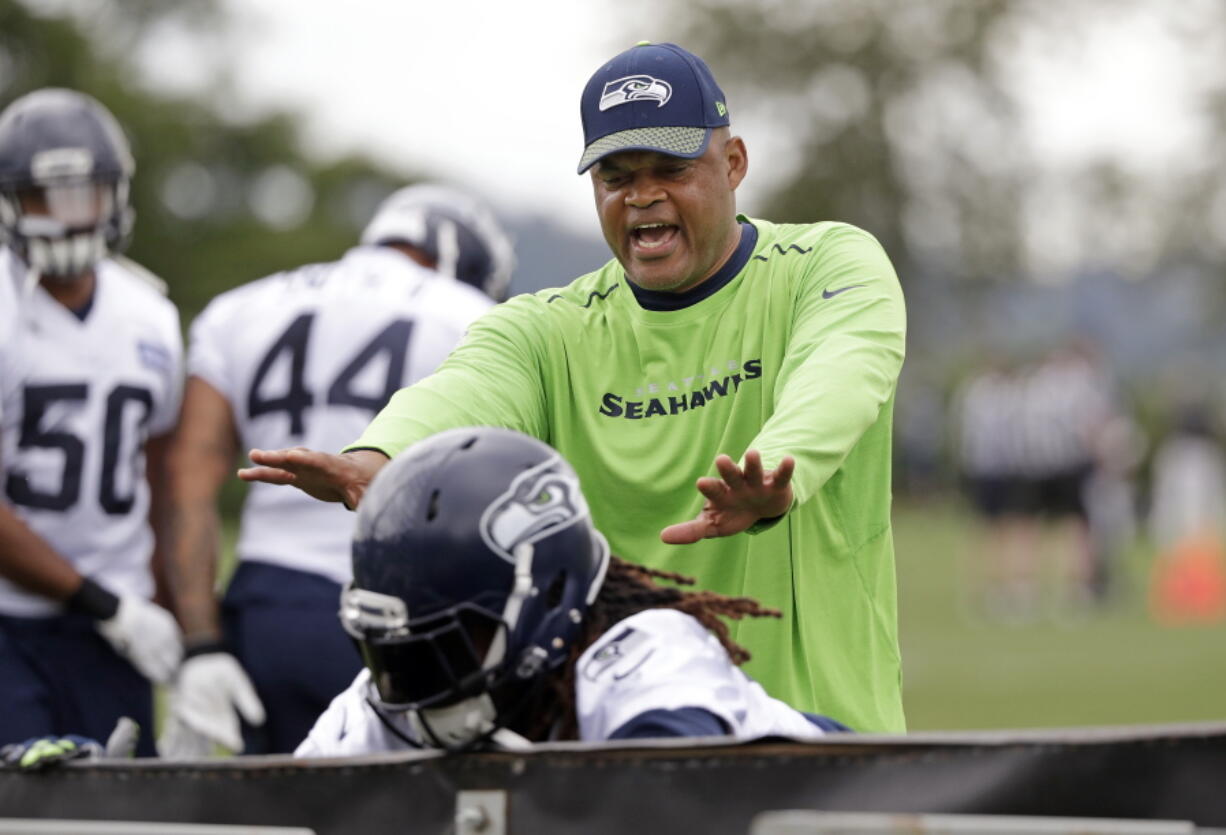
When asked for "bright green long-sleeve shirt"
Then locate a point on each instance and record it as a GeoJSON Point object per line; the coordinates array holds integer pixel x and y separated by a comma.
{"type": "Point", "coordinates": [798, 354]}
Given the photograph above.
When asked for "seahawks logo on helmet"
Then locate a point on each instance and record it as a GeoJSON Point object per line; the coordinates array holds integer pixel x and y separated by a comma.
{"type": "Point", "coordinates": [635, 88]}
{"type": "Point", "coordinates": [540, 502]}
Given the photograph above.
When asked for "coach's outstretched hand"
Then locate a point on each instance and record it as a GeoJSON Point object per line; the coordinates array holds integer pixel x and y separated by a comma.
{"type": "Point", "coordinates": [737, 499]}
{"type": "Point", "coordinates": [329, 478]}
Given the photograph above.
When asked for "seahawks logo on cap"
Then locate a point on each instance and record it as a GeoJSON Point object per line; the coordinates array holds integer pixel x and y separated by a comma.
{"type": "Point", "coordinates": [635, 88]}
{"type": "Point", "coordinates": [540, 502]}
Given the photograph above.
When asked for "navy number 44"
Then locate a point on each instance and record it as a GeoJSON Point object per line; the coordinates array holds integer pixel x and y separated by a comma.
{"type": "Point", "coordinates": [391, 343]}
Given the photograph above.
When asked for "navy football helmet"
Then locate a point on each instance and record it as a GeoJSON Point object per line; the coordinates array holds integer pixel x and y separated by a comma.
{"type": "Point", "coordinates": [474, 562]}
{"type": "Point", "coordinates": [64, 172]}
{"type": "Point", "coordinates": [457, 232]}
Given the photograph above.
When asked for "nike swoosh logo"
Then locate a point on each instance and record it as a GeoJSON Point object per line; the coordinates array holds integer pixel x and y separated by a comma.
{"type": "Point", "coordinates": [830, 294]}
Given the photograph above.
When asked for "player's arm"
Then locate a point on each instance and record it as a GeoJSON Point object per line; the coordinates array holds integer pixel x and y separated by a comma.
{"type": "Point", "coordinates": [141, 631]}
{"type": "Point", "coordinates": [156, 450]}
{"type": "Point", "coordinates": [211, 690]}
{"type": "Point", "coordinates": [842, 362]}
{"type": "Point", "coordinates": [27, 560]}
{"type": "Point", "coordinates": [840, 368]}
{"type": "Point", "coordinates": [199, 458]}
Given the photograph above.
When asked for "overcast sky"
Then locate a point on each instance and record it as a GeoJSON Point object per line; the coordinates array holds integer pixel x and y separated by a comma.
{"type": "Point", "coordinates": [486, 94]}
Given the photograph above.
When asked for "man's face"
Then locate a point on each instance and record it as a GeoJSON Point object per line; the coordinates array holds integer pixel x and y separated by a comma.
{"type": "Point", "coordinates": [670, 221]}
{"type": "Point", "coordinates": [78, 205]}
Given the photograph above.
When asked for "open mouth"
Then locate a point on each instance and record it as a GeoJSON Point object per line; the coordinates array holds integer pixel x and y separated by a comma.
{"type": "Point", "coordinates": [652, 237]}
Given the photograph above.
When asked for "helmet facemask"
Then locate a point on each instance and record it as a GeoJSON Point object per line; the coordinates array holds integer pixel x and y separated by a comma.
{"type": "Point", "coordinates": [76, 231]}
{"type": "Point", "coordinates": [429, 662]}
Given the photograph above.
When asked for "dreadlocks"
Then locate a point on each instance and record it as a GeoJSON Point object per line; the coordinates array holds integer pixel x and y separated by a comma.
{"type": "Point", "coordinates": [629, 589]}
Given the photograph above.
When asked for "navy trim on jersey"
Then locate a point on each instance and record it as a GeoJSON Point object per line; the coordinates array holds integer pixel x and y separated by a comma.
{"type": "Point", "coordinates": [684, 721]}
{"type": "Point", "coordinates": [83, 311]}
{"type": "Point", "coordinates": [591, 297]}
{"type": "Point", "coordinates": [657, 300]}
{"type": "Point", "coordinates": [832, 726]}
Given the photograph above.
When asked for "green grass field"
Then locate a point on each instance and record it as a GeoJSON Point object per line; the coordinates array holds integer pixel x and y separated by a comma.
{"type": "Point", "coordinates": [1112, 667]}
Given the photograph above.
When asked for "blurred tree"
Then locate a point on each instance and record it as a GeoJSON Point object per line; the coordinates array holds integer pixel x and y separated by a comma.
{"type": "Point", "coordinates": [916, 121]}
{"type": "Point", "coordinates": [218, 202]}
{"type": "Point", "coordinates": [893, 118]}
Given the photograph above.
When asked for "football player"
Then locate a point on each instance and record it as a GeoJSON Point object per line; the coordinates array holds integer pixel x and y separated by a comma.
{"type": "Point", "coordinates": [304, 357]}
{"type": "Point", "coordinates": [488, 610]}
{"type": "Point", "coordinates": [90, 383]}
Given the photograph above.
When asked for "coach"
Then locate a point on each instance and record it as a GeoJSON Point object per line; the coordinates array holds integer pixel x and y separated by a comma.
{"type": "Point", "coordinates": [710, 335]}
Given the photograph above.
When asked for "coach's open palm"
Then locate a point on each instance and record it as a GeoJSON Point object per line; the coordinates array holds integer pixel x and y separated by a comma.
{"type": "Point", "coordinates": [737, 499]}
{"type": "Point", "coordinates": [329, 478]}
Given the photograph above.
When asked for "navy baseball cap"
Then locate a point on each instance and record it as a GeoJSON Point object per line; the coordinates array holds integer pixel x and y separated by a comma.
{"type": "Point", "coordinates": [652, 97]}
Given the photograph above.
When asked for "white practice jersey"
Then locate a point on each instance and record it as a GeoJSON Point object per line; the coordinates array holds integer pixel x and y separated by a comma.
{"type": "Point", "coordinates": [1066, 403]}
{"type": "Point", "coordinates": [78, 399]}
{"type": "Point", "coordinates": [659, 659]}
{"type": "Point", "coordinates": [989, 426]}
{"type": "Point", "coordinates": [306, 358]}
{"type": "Point", "coordinates": [662, 659]}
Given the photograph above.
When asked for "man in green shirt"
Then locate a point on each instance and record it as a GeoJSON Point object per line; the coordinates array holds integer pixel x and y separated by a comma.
{"type": "Point", "coordinates": [772, 350]}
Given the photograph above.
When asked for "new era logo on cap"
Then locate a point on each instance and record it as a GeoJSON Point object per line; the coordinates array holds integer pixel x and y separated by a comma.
{"type": "Point", "coordinates": [652, 97]}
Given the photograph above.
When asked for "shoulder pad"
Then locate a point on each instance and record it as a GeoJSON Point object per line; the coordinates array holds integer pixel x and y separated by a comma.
{"type": "Point", "coordinates": [627, 644]}
{"type": "Point", "coordinates": [142, 273]}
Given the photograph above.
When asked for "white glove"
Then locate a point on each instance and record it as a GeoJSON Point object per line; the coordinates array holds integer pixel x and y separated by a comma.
{"type": "Point", "coordinates": [145, 634]}
{"type": "Point", "coordinates": [209, 695]}
{"type": "Point", "coordinates": [121, 744]}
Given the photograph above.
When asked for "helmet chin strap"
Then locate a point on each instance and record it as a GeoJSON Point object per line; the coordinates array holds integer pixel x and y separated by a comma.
{"type": "Point", "coordinates": [31, 281]}
{"type": "Point", "coordinates": [521, 590]}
